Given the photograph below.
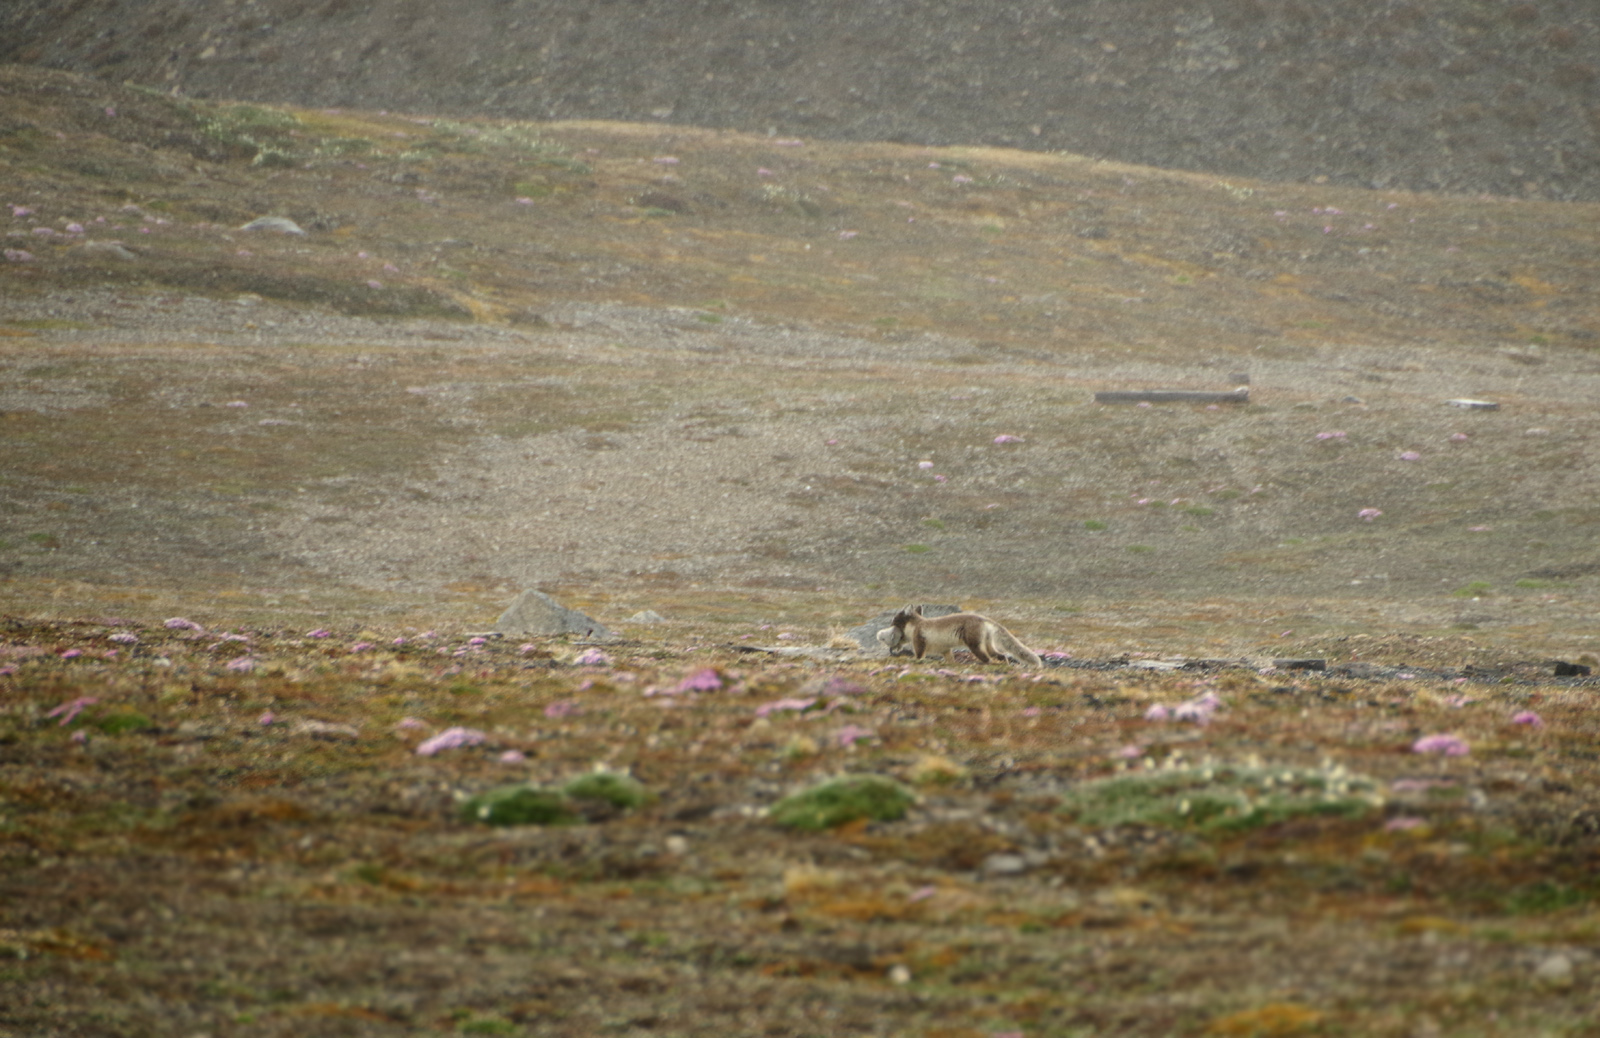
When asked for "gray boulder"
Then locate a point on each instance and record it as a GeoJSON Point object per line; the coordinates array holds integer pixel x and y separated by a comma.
{"type": "Point", "coordinates": [536, 613]}
{"type": "Point", "coordinates": [866, 635]}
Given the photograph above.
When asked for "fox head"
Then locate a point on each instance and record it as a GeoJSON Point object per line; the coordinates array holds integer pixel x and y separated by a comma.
{"type": "Point", "coordinates": [905, 616]}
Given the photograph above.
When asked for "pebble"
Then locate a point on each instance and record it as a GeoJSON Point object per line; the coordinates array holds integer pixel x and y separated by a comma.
{"type": "Point", "coordinates": [1555, 972]}
{"type": "Point", "coordinates": [1004, 865]}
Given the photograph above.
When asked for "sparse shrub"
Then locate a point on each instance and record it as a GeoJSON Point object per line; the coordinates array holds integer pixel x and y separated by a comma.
{"type": "Point", "coordinates": [261, 134]}
{"type": "Point", "coordinates": [935, 770]}
{"type": "Point", "coordinates": [918, 549]}
{"type": "Point", "coordinates": [842, 800]}
{"type": "Point", "coordinates": [334, 147]}
{"type": "Point", "coordinates": [800, 747]}
{"type": "Point", "coordinates": [1095, 524]}
{"type": "Point", "coordinates": [1220, 797]}
{"type": "Point", "coordinates": [273, 158]}
{"type": "Point", "coordinates": [369, 872]}
{"type": "Point", "coordinates": [1140, 549]}
{"type": "Point", "coordinates": [1545, 896]}
{"type": "Point", "coordinates": [1476, 589]}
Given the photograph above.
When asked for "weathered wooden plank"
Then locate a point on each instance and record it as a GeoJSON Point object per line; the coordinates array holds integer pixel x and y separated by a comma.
{"type": "Point", "coordinates": [1172, 396]}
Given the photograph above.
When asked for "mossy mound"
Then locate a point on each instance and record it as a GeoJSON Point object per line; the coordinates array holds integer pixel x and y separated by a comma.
{"type": "Point", "coordinates": [842, 800]}
{"type": "Point", "coordinates": [594, 797]}
{"type": "Point", "coordinates": [1220, 797]}
{"type": "Point", "coordinates": [124, 720]}
{"type": "Point", "coordinates": [622, 792]}
{"type": "Point", "coordinates": [520, 805]}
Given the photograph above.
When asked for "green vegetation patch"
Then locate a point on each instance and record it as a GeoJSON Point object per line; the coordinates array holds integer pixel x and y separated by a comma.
{"type": "Point", "coordinates": [594, 795]}
{"type": "Point", "coordinates": [520, 805]}
{"type": "Point", "coordinates": [1545, 896]}
{"type": "Point", "coordinates": [1220, 798]}
{"type": "Point", "coordinates": [842, 800]}
{"type": "Point", "coordinates": [123, 720]}
{"type": "Point", "coordinates": [623, 792]}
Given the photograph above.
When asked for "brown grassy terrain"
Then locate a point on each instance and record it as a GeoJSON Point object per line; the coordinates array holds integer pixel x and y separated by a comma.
{"type": "Point", "coordinates": [699, 372]}
{"type": "Point", "coordinates": [239, 836]}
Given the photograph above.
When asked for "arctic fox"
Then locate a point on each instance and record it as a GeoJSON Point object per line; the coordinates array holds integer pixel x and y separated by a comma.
{"type": "Point", "coordinates": [985, 639]}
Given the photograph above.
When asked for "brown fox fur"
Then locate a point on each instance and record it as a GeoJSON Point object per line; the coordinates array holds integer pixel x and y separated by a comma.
{"type": "Point", "coordinates": [980, 635]}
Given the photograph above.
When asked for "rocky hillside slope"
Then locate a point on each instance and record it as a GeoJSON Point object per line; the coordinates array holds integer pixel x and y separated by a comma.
{"type": "Point", "coordinates": [1499, 96]}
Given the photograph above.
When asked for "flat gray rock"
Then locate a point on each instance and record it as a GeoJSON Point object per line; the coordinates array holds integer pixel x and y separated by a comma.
{"type": "Point", "coordinates": [812, 652]}
{"type": "Point", "coordinates": [646, 616]}
{"type": "Point", "coordinates": [866, 635]}
{"type": "Point", "coordinates": [281, 224]}
{"type": "Point", "coordinates": [536, 613]}
{"type": "Point", "coordinates": [114, 249]}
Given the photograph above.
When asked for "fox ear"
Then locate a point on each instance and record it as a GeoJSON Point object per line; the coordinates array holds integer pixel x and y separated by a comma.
{"type": "Point", "coordinates": [916, 610]}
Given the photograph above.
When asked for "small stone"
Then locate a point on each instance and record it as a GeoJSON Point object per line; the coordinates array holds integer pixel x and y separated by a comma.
{"type": "Point", "coordinates": [1004, 865]}
{"type": "Point", "coordinates": [677, 846]}
{"type": "Point", "coordinates": [899, 974]}
{"type": "Point", "coordinates": [1555, 972]}
{"type": "Point", "coordinates": [646, 616]}
{"type": "Point", "coordinates": [326, 730]}
{"type": "Point", "coordinates": [281, 224]}
{"type": "Point", "coordinates": [114, 249]}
